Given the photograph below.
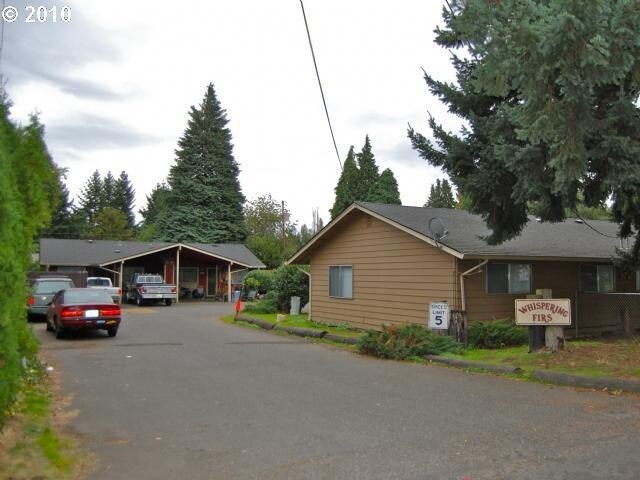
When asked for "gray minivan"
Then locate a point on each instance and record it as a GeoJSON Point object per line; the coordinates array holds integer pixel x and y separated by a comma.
{"type": "Point", "coordinates": [42, 293]}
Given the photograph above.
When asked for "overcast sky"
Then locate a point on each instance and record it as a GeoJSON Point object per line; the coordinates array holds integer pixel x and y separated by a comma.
{"type": "Point", "coordinates": [114, 85]}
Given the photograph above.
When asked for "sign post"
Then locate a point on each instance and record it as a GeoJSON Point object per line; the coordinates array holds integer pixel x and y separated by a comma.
{"type": "Point", "coordinates": [553, 314]}
{"type": "Point", "coordinates": [439, 315]}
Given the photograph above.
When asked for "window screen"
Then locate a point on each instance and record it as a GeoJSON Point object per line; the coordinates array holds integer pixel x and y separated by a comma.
{"type": "Point", "coordinates": [509, 278]}
{"type": "Point", "coordinates": [341, 281]}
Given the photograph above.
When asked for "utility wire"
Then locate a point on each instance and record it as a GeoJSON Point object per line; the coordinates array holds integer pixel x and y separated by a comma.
{"type": "Point", "coordinates": [324, 102]}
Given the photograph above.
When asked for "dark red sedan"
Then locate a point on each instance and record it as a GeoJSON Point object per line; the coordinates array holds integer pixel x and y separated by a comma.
{"type": "Point", "coordinates": [83, 308]}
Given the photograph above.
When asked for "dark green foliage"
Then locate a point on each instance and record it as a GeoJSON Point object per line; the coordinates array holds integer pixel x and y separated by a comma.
{"type": "Point", "coordinates": [496, 334]}
{"type": "Point", "coordinates": [91, 199]}
{"type": "Point", "coordinates": [124, 197]}
{"type": "Point", "coordinates": [66, 220]}
{"type": "Point", "coordinates": [347, 187]}
{"type": "Point", "coordinates": [28, 190]}
{"type": "Point", "coordinates": [367, 171]}
{"type": "Point", "coordinates": [157, 205]}
{"type": "Point", "coordinates": [290, 281]}
{"type": "Point", "coordinates": [385, 189]}
{"type": "Point", "coordinates": [361, 181]}
{"type": "Point", "coordinates": [549, 95]}
{"type": "Point", "coordinates": [267, 305]}
{"type": "Point", "coordinates": [441, 195]}
{"type": "Point", "coordinates": [405, 342]}
{"type": "Point", "coordinates": [205, 197]}
{"type": "Point", "coordinates": [260, 280]}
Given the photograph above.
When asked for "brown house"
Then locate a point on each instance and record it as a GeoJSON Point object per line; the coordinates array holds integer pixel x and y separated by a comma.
{"type": "Point", "coordinates": [380, 264]}
{"type": "Point", "coordinates": [194, 266]}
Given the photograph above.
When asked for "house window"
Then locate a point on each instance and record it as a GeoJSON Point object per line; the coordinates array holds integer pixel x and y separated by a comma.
{"type": "Point", "coordinates": [509, 278]}
{"type": "Point", "coordinates": [596, 278]}
{"type": "Point", "coordinates": [341, 281]}
{"type": "Point", "coordinates": [189, 275]}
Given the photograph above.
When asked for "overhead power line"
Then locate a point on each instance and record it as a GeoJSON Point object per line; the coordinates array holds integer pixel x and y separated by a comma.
{"type": "Point", "coordinates": [324, 102]}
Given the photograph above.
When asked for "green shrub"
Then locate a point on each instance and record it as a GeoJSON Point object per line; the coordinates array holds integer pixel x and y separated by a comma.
{"type": "Point", "coordinates": [496, 334]}
{"type": "Point", "coordinates": [290, 281]}
{"type": "Point", "coordinates": [260, 280]}
{"type": "Point", "coordinates": [404, 342]}
{"type": "Point", "coordinates": [262, 306]}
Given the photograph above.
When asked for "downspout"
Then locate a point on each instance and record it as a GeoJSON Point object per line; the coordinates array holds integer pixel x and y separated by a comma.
{"type": "Point", "coordinates": [463, 299]}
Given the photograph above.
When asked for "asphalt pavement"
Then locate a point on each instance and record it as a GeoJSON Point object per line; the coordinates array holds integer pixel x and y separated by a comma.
{"type": "Point", "coordinates": [179, 394]}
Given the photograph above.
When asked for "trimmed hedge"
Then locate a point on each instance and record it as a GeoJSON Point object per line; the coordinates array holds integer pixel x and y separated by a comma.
{"type": "Point", "coordinates": [496, 334]}
{"type": "Point", "coordinates": [405, 342]}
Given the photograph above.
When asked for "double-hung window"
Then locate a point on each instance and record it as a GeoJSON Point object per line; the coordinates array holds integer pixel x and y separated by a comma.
{"type": "Point", "coordinates": [509, 278]}
{"type": "Point", "coordinates": [341, 281]}
{"type": "Point", "coordinates": [597, 278]}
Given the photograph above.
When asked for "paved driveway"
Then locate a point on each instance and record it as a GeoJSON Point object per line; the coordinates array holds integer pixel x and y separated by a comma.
{"type": "Point", "coordinates": [181, 395]}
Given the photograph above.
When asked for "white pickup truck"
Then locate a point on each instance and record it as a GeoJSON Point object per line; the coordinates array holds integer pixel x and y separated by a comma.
{"type": "Point", "coordinates": [104, 283]}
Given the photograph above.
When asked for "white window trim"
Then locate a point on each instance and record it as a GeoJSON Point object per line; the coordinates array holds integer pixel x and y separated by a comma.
{"type": "Point", "coordinates": [613, 277]}
{"type": "Point", "coordinates": [509, 292]}
{"type": "Point", "coordinates": [329, 283]}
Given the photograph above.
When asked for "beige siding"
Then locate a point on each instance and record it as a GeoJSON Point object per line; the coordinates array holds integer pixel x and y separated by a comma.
{"type": "Point", "coordinates": [395, 275]}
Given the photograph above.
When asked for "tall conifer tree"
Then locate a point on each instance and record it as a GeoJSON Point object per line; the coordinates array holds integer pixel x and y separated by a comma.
{"type": "Point", "coordinates": [368, 170]}
{"type": "Point", "coordinates": [91, 197]}
{"type": "Point", "coordinates": [205, 200]}
{"type": "Point", "coordinates": [347, 187]}
{"type": "Point", "coordinates": [124, 197]}
{"type": "Point", "coordinates": [385, 189]}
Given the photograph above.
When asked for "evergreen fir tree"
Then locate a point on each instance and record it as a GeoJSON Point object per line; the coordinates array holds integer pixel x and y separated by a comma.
{"type": "Point", "coordinates": [441, 195]}
{"type": "Point", "coordinates": [549, 95]}
{"type": "Point", "coordinates": [347, 189]}
{"type": "Point", "coordinates": [110, 224]}
{"type": "Point", "coordinates": [91, 197]}
{"type": "Point", "coordinates": [124, 197]}
{"type": "Point", "coordinates": [385, 189]}
{"type": "Point", "coordinates": [107, 198]}
{"type": "Point", "coordinates": [206, 200]}
{"type": "Point", "coordinates": [367, 171]}
{"type": "Point", "coordinates": [66, 222]}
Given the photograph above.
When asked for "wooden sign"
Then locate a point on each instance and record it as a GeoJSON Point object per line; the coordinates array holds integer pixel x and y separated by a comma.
{"type": "Point", "coordinates": [543, 311]}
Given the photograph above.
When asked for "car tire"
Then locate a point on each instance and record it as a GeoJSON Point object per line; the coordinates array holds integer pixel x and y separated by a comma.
{"type": "Point", "coordinates": [60, 333]}
{"type": "Point", "coordinates": [139, 301]}
{"type": "Point", "coordinates": [167, 302]}
{"type": "Point", "coordinates": [112, 332]}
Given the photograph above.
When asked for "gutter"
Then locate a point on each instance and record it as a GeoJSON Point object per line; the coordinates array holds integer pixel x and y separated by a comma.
{"type": "Point", "coordinates": [464, 274]}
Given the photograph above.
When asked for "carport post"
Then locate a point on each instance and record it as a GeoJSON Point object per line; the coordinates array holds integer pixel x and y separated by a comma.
{"type": "Point", "coordinates": [120, 281]}
{"type": "Point", "coordinates": [178, 274]}
{"type": "Point", "coordinates": [229, 282]}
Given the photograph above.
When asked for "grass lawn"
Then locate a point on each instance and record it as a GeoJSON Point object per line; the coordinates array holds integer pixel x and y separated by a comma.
{"type": "Point", "coordinates": [30, 444]}
{"type": "Point", "coordinates": [302, 321]}
{"type": "Point", "coordinates": [601, 358]}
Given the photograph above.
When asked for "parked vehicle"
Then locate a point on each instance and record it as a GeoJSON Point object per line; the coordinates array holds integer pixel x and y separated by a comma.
{"type": "Point", "coordinates": [104, 283]}
{"type": "Point", "coordinates": [83, 308]}
{"type": "Point", "coordinates": [42, 293]}
{"type": "Point", "coordinates": [149, 287]}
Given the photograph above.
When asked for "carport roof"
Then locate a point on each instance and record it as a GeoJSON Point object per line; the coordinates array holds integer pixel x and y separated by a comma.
{"type": "Point", "coordinates": [65, 252]}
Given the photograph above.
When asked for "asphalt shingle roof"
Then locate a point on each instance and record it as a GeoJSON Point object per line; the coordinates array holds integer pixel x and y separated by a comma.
{"type": "Point", "coordinates": [565, 239]}
{"type": "Point", "coordinates": [55, 251]}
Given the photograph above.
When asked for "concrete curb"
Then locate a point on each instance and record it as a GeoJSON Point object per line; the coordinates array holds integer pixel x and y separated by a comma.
{"type": "Point", "coordinates": [300, 332]}
{"type": "Point", "coordinates": [599, 383]}
{"type": "Point", "coordinates": [483, 366]}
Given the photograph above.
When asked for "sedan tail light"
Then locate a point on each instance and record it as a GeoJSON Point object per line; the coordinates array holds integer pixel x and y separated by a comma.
{"type": "Point", "coordinates": [119, 291]}
{"type": "Point", "coordinates": [110, 312]}
{"type": "Point", "coordinates": [173, 290]}
{"type": "Point", "coordinates": [32, 300]}
{"type": "Point", "coordinates": [71, 312]}
{"type": "Point", "coordinates": [143, 290]}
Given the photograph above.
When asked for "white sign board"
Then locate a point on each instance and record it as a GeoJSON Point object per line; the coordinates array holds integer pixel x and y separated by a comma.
{"type": "Point", "coordinates": [439, 315]}
{"type": "Point", "coordinates": [543, 311]}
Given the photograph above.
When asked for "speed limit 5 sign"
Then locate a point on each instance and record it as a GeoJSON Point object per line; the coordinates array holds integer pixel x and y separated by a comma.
{"type": "Point", "coordinates": [439, 315]}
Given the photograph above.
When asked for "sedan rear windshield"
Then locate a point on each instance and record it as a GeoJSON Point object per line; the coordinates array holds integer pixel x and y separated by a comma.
{"type": "Point", "coordinates": [86, 296]}
{"type": "Point", "coordinates": [98, 282]}
{"type": "Point", "coordinates": [52, 286]}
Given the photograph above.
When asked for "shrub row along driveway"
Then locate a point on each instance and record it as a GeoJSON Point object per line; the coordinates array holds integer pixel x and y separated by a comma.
{"type": "Point", "coordinates": [180, 394]}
